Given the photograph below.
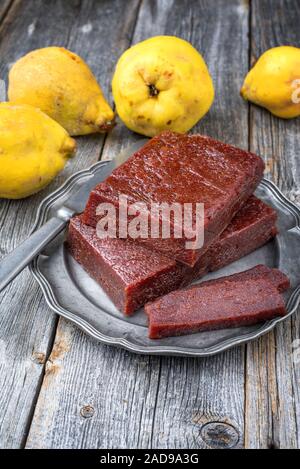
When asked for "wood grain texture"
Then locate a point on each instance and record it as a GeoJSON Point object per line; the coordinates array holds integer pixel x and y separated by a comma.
{"type": "Point", "coordinates": [4, 8]}
{"type": "Point", "coordinates": [272, 384]}
{"type": "Point", "coordinates": [97, 31]}
{"type": "Point", "coordinates": [98, 397]}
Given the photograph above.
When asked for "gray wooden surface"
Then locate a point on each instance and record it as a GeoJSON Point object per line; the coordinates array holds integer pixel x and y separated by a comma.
{"type": "Point", "coordinates": [59, 388]}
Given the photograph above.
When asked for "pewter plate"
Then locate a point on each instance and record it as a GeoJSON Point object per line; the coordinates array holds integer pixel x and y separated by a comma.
{"type": "Point", "coordinates": [70, 292]}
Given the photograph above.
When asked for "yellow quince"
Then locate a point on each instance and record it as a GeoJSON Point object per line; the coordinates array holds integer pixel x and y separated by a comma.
{"type": "Point", "coordinates": [162, 83]}
{"type": "Point", "coordinates": [61, 84]}
{"type": "Point", "coordinates": [274, 82]}
{"type": "Point", "coordinates": [33, 150]}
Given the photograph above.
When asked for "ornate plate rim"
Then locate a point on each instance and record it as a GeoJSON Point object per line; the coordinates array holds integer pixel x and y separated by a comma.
{"type": "Point", "coordinates": [52, 302]}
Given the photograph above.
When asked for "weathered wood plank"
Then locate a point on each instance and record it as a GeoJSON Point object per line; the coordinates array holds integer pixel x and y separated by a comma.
{"type": "Point", "coordinates": [99, 397]}
{"type": "Point", "coordinates": [272, 396]}
{"type": "Point", "coordinates": [97, 31]}
{"type": "Point", "coordinates": [4, 7]}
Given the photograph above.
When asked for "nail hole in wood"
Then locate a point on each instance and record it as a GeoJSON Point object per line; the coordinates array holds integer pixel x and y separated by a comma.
{"type": "Point", "coordinates": [87, 411]}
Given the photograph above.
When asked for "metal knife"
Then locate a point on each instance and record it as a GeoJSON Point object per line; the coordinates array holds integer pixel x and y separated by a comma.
{"type": "Point", "coordinates": [12, 264]}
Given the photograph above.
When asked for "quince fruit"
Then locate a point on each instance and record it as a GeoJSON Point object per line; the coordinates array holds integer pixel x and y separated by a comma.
{"type": "Point", "coordinates": [162, 84]}
{"type": "Point", "coordinates": [274, 82]}
{"type": "Point", "coordinates": [61, 84]}
{"type": "Point", "coordinates": [33, 150]}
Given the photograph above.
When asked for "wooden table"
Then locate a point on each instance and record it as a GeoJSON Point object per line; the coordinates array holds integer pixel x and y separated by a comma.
{"type": "Point", "coordinates": [59, 388]}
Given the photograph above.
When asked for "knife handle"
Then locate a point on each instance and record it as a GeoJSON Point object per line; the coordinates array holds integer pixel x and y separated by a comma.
{"type": "Point", "coordinates": [12, 264]}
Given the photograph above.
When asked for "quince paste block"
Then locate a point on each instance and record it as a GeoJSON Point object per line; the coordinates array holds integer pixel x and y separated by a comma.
{"type": "Point", "coordinates": [131, 274]}
{"type": "Point", "coordinates": [177, 168]}
{"type": "Point", "coordinates": [241, 299]}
